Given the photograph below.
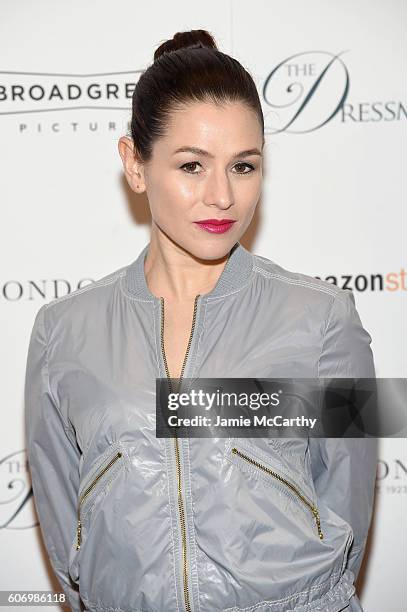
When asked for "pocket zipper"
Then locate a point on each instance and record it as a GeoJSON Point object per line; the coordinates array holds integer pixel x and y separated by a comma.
{"type": "Point", "coordinates": [292, 487]}
{"type": "Point", "coordinates": [86, 493]}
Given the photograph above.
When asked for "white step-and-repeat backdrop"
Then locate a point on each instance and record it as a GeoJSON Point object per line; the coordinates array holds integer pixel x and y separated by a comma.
{"type": "Point", "coordinates": [331, 76]}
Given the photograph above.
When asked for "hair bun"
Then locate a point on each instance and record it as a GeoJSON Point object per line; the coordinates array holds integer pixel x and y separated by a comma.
{"type": "Point", "coordinates": [182, 40]}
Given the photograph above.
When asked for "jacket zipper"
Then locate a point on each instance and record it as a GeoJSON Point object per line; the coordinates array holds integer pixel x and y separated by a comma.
{"type": "Point", "coordinates": [292, 487]}
{"type": "Point", "coordinates": [86, 493]}
{"type": "Point", "coordinates": [180, 500]}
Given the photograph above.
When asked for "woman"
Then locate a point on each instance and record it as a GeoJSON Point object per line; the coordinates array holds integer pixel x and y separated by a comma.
{"type": "Point", "coordinates": [133, 522]}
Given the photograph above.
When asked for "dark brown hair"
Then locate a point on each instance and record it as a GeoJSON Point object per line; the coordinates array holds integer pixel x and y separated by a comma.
{"type": "Point", "coordinates": [187, 68]}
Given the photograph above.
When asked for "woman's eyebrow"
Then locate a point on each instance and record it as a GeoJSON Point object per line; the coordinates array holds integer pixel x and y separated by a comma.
{"type": "Point", "coordinates": [198, 151]}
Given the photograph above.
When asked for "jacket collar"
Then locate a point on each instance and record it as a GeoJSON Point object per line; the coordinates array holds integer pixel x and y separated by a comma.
{"type": "Point", "coordinates": [236, 274]}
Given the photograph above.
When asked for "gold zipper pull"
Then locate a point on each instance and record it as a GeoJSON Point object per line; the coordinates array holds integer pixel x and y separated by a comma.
{"type": "Point", "coordinates": [318, 522]}
{"type": "Point", "coordinates": [78, 535]}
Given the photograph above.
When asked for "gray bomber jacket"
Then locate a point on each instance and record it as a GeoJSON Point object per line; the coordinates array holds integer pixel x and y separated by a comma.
{"type": "Point", "coordinates": [135, 523]}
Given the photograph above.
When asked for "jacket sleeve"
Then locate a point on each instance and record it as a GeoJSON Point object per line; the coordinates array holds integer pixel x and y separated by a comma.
{"type": "Point", "coordinates": [344, 469]}
{"type": "Point", "coordinates": [53, 458]}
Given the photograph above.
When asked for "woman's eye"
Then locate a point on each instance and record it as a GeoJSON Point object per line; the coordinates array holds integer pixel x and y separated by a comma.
{"type": "Point", "coordinates": [241, 164]}
{"type": "Point", "coordinates": [251, 168]}
{"type": "Point", "coordinates": [189, 164]}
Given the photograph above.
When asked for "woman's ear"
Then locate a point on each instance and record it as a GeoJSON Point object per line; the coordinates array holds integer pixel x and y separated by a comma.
{"type": "Point", "coordinates": [132, 164]}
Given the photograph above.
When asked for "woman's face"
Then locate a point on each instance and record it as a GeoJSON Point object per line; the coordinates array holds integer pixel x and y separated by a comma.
{"type": "Point", "coordinates": [222, 181]}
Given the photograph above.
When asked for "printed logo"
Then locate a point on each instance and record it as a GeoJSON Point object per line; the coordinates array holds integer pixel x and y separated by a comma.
{"type": "Point", "coordinates": [15, 290]}
{"type": "Point", "coordinates": [35, 92]}
{"type": "Point", "coordinates": [389, 281]}
{"type": "Point", "coordinates": [307, 90]}
{"type": "Point", "coordinates": [16, 492]}
{"type": "Point", "coordinates": [392, 476]}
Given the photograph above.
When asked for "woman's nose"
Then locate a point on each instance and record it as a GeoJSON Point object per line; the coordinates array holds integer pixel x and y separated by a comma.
{"type": "Point", "coordinates": [218, 189]}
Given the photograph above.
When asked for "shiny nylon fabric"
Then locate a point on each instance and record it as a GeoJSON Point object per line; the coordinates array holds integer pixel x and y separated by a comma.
{"type": "Point", "coordinates": [92, 362]}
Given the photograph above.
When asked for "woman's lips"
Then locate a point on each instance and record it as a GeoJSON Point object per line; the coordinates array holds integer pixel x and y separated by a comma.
{"type": "Point", "coordinates": [214, 226]}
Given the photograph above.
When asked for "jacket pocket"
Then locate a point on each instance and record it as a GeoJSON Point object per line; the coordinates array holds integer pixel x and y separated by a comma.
{"type": "Point", "coordinates": [242, 455]}
{"type": "Point", "coordinates": [103, 472]}
{"type": "Point", "coordinates": [99, 479]}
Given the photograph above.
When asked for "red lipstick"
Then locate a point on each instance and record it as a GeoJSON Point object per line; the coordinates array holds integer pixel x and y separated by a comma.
{"type": "Point", "coordinates": [215, 226]}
